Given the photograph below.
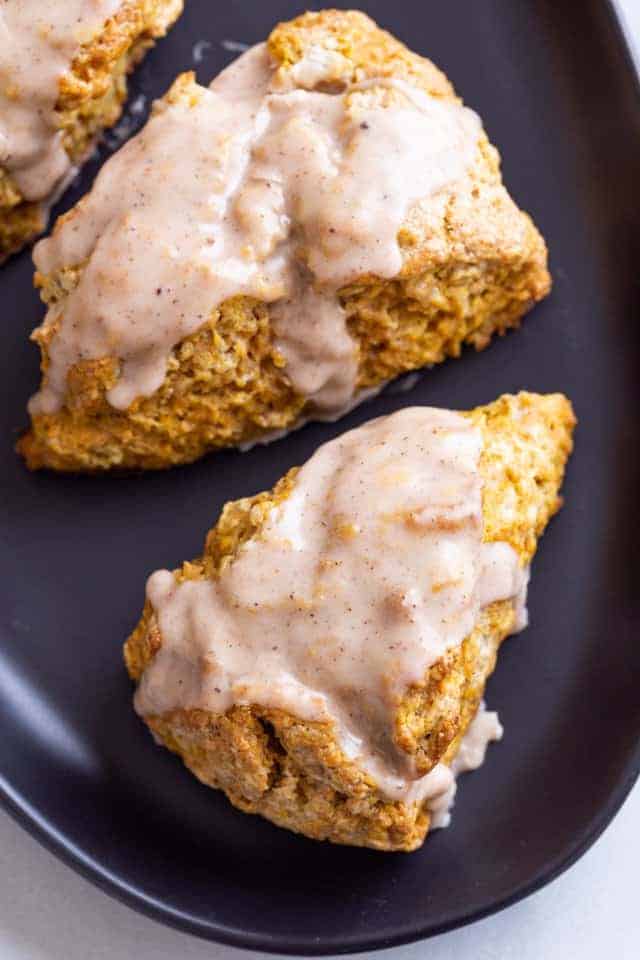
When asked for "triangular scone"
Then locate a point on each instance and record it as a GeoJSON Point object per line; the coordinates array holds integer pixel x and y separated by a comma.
{"type": "Point", "coordinates": [63, 80]}
{"type": "Point", "coordinates": [386, 549]}
{"type": "Point", "coordinates": [326, 216]}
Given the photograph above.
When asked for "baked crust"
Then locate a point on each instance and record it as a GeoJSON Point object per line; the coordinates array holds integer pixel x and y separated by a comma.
{"type": "Point", "coordinates": [473, 264]}
{"type": "Point", "coordinates": [91, 95]}
{"type": "Point", "coordinates": [293, 772]}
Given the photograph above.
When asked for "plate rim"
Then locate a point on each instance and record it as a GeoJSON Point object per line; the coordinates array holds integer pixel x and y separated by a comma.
{"type": "Point", "coordinates": [133, 897]}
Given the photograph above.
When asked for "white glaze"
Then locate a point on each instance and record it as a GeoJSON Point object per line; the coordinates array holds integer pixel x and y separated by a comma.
{"type": "Point", "coordinates": [483, 730]}
{"type": "Point", "coordinates": [360, 580]}
{"type": "Point", "coordinates": [38, 43]}
{"type": "Point", "coordinates": [259, 189]}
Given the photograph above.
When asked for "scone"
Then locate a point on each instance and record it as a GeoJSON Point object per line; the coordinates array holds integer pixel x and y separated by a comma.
{"type": "Point", "coordinates": [324, 660]}
{"type": "Point", "coordinates": [63, 67]}
{"type": "Point", "coordinates": [327, 215]}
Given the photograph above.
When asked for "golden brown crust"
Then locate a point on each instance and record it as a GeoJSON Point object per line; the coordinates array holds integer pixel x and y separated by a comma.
{"type": "Point", "coordinates": [91, 94]}
{"type": "Point", "coordinates": [473, 264]}
{"type": "Point", "coordinates": [368, 51]}
{"type": "Point", "coordinates": [293, 772]}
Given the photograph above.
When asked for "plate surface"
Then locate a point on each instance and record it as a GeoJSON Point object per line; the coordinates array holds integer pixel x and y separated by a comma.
{"type": "Point", "coordinates": [556, 90]}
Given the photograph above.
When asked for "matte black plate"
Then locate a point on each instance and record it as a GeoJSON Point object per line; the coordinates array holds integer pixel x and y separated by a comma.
{"type": "Point", "coordinates": [555, 87]}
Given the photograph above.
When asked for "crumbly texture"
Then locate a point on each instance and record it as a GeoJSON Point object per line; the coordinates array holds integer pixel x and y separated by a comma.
{"type": "Point", "coordinates": [293, 772]}
{"type": "Point", "coordinates": [473, 264]}
{"type": "Point", "coordinates": [91, 94]}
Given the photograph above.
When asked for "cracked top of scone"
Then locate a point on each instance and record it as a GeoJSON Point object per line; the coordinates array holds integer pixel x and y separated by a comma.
{"type": "Point", "coordinates": [344, 597]}
{"type": "Point", "coordinates": [328, 165]}
{"type": "Point", "coordinates": [62, 69]}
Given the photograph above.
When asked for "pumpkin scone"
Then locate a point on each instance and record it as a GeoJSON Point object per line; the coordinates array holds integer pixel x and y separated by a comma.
{"type": "Point", "coordinates": [325, 216]}
{"type": "Point", "coordinates": [63, 69]}
{"type": "Point", "coordinates": [324, 661]}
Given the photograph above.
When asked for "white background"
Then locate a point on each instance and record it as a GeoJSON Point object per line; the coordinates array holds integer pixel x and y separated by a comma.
{"type": "Point", "coordinates": [592, 912]}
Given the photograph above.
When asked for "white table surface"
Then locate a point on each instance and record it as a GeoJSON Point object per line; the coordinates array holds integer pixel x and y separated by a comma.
{"type": "Point", "coordinates": [47, 912]}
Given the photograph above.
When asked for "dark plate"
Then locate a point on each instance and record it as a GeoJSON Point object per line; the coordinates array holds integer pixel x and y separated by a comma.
{"type": "Point", "coordinates": [556, 89]}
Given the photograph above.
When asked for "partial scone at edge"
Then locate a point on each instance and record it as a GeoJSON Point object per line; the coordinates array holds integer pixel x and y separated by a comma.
{"type": "Point", "coordinates": [293, 772]}
{"type": "Point", "coordinates": [91, 95]}
{"type": "Point", "coordinates": [469, 272]}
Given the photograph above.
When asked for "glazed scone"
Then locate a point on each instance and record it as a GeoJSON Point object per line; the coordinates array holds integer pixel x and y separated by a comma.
{"type": "Point", "coordinates": [326, 216]}
{"type": "Point", "coordinates": [63, 68]}
{"type": "Point", "coordinates": [321, 663]}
